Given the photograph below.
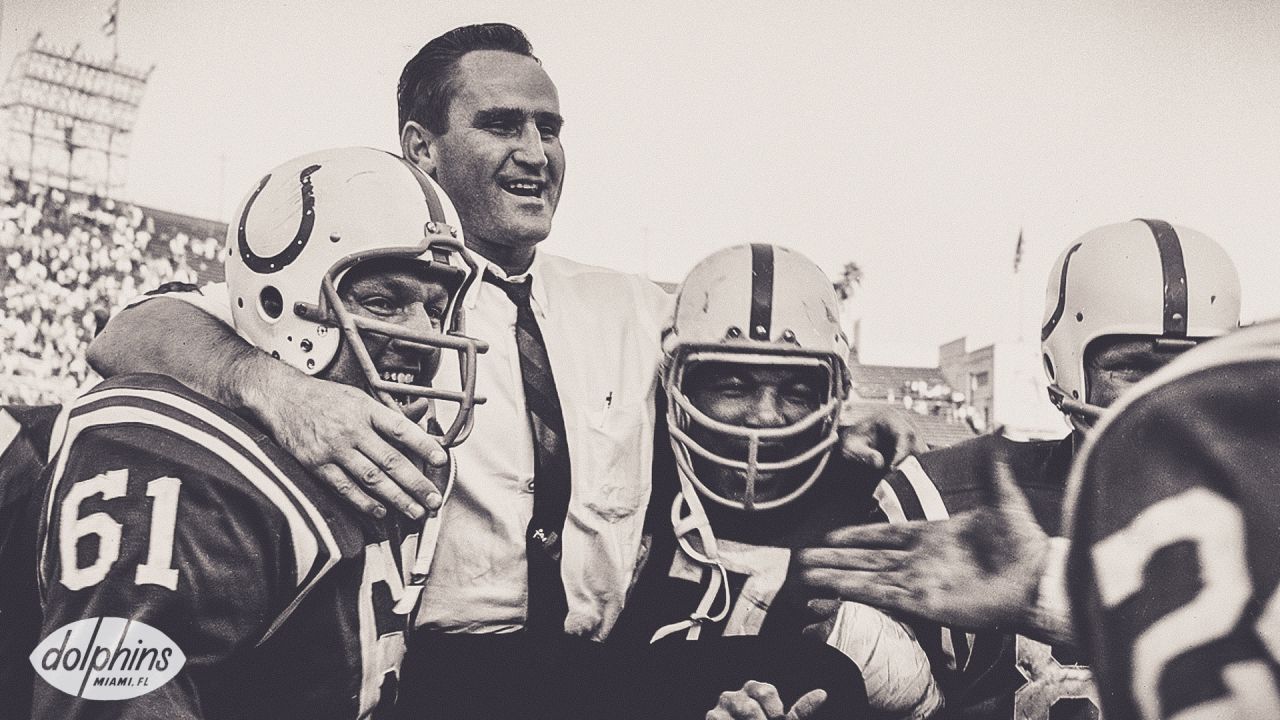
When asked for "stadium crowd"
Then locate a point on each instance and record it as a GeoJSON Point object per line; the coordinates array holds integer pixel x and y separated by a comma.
{"type": "Point", "coordinates": [69, 261]}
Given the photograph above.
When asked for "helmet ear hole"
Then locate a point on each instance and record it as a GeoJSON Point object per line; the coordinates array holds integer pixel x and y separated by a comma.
{"type": "Point", "coordinates": [1048, 367]}
{"type": "Point", "coordinates": [271, 302]}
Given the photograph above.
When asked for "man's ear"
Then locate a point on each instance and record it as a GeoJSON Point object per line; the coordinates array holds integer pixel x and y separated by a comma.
{"type": "Point", "coordinates": [418, 145]}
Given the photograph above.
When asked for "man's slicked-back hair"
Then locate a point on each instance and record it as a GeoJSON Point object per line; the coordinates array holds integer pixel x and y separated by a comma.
{"type": "Point", "coordinates": [426, 84]}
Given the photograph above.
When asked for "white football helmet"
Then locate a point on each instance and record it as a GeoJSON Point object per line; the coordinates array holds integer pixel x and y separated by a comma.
{"type": "Point", "coordinates": [1143, 277]}
{"type": "Point", "coordinates": [750, 305]}
{"type": "Point", "coordinates": [755, 305]}
{"type": "Point", "coordinates": [309, 221]}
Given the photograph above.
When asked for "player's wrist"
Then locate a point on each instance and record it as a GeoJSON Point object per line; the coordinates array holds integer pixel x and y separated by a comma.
{"type": "Point", "coordinates": [257, 384]}
{"type": "Point", "coordinates": [1047, 616]}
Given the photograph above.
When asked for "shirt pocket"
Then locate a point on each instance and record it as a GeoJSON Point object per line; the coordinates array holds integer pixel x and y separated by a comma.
{"type": "Point", "coordinates": [611, 458]}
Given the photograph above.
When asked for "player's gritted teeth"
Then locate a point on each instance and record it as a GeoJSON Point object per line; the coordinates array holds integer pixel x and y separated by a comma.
{"type": "Point", "coordinates": [406, 377]}
{"type": "Point", "coordinates": [524, 188]}
{"type": "Point", "coordinates": [400, 377]}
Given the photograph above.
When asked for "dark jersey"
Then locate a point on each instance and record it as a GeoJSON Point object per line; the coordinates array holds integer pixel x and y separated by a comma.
{"type": "Point", "coordinates": [1173, 569]}
{"type": "Point", "coordinates": [995, 675]}
{"type": "Point", "coordinates": [760, 637]}
{"type": "Point", "coordinates": [164, 508]}
{"type": "Point", "coordinates": [24, 448]}
{"type": "Point", "coordinates": [756, 550]}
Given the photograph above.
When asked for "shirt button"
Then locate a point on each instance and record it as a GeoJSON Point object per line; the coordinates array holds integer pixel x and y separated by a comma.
{"type": "Point", "coordinates": [529, 486]}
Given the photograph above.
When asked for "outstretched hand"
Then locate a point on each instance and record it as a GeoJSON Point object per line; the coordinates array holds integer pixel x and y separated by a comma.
{"type": "Point", "coordinates": [880, 440]}
{"type": "Point", "coordinates": [978, 570]}
{"type": "Point", "coordinates": [360, 447]}
{"type": "Point", "coordinates": [760, 701]}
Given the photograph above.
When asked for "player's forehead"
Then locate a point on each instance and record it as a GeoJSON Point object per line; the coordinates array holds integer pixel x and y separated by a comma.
{"type": "Point", "coordinates": [709, 374]}
{"type": "Point", "coordinates": [497, 79]}
{"type": "Point", "coordinates": [1120, 349]}
{"type": "Point", "coordinates": [402, 276]}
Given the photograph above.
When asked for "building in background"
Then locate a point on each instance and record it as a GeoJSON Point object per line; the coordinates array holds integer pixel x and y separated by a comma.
{"type": "Point", "coordinates": [968, 393]}
{"type": "Point", "coordinates": [1004, 384]}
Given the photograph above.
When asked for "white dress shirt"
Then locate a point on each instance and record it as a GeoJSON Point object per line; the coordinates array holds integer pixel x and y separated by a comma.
{"type": "Point", "coordinates": [602, 330]}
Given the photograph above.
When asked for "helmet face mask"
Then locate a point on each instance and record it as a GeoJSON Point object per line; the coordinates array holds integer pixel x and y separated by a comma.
{"type": "Point", "coordinates": [1142, 279]}
{"type": "Point", "coordinates": [414, 398]}
{"type": "Point", "coordinates": [761, 309]}
{"type": "Point", "coordinates": [349, 207]}
{"type": "Point", "coordinates": [750, 464]}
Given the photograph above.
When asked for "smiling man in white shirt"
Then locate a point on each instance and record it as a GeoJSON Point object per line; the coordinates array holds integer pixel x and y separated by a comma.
{"type": "Point", "coordinates": [480, 115]}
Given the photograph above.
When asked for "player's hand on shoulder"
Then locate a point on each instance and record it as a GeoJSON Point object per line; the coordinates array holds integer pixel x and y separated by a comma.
{"type": "Point", "coordinates": [880, 439]}
{"type": "Point", "coordinates": [978, 570]}
{"type": "Point", "coordinates": [760, 701]}
{"type": "Point", "coordinates": [362, 448]}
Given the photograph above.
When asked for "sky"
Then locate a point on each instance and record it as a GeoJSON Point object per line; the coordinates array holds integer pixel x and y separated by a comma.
{"type": "Point", "coordinates": [915, 138]}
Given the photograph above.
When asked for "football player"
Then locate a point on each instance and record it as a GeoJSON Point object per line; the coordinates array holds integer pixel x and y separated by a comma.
{"type": "Point", "coordinates": [1172, 572]}
{"type": "Point", "coordinates": [1122, 301]}
{"type": "Point", "coordinates": [756, 376]}
{"type": "Point", "coordinates": [166, 509]}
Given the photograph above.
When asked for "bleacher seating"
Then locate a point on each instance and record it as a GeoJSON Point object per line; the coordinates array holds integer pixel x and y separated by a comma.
{"type": "Point", "coordinates": [67, 263]}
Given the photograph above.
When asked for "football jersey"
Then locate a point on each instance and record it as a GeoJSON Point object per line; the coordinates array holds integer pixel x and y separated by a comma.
{"type": "Point", "coordinates": [765, 606]}
{"type": "Point", "coordinates": [24, 447]}
{"type": "Point", "coordinates": [756, 550]}
{"type": "Point", "coordinates": [165, 508]}
{"type": "Point", "coordinates": [1173, 568]}
{"type": "Point", "coordinates": [995, 675]}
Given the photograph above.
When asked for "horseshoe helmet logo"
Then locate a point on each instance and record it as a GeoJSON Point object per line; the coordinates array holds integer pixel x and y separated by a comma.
{"type": "Point", "coordinates": [267, 265]}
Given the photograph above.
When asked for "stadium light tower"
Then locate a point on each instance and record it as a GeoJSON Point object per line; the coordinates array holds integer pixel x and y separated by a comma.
{"type": "Point", "coordinates": [69, 118]}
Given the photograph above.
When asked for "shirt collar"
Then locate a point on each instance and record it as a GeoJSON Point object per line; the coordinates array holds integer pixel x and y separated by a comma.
{"type": "Point", "coordinates": [537, 293]}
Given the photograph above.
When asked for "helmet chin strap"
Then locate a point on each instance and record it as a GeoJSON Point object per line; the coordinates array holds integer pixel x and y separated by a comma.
{"type": "Point", "coordinates": [1084, 410]}
{"type": "Point", "coordinates": [426, 553]}
{"type": "Point", "coordinates": [1081, 415]}
{"type": "Point", "coordinates": [696, 523]}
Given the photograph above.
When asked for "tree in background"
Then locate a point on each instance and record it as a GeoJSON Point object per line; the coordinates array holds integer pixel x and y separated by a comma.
{"type": "Point", "coordinates": [850, 280]}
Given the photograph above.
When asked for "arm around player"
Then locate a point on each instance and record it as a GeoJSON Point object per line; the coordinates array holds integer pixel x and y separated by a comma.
{"type": "Point", "coordinates": [359, 446]}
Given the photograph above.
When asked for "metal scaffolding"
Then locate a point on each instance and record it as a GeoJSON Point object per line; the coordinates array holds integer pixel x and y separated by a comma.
{"type": "Point", "coordinates": [68, 118]}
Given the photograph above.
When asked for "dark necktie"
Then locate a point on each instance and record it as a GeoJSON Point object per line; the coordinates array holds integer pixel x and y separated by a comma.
{"type": "Point", "coordinates": [547, 606]}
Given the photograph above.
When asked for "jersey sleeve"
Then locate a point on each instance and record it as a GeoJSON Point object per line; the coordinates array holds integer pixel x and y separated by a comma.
{"type": "Point", "coordinates": [23, 448]}
{"type": "Point", "coordinates": [162, 517]}
{"type": "Point", "coordinates": [212, 298]}
{"type": "Point", "coordinates": [909, 493]}
{"type": "Point", "coordinates": [1172, 566]}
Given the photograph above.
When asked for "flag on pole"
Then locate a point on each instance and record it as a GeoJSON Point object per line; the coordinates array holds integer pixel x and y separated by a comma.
{"type": "Point", "coordinates": [1017, 252]}
{"type": "Point", "coordinates": [113, 16]}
